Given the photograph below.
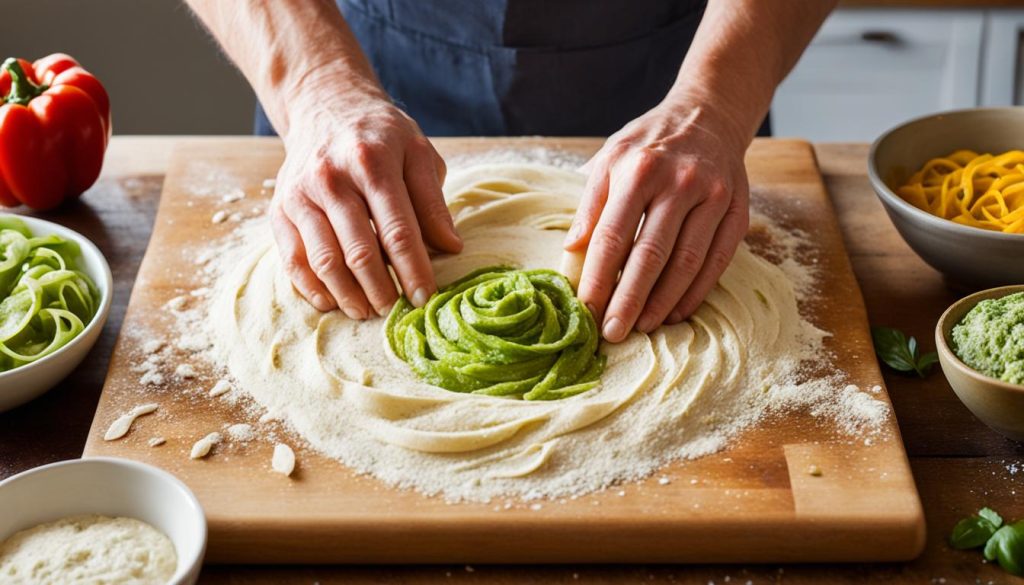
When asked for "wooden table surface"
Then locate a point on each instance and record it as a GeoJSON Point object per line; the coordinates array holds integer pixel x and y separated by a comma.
{"type": "Point", "coordinates": [958, 463]}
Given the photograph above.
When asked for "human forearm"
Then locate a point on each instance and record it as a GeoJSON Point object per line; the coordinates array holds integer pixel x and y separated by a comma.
{"type": "Point", "coordinates": [289, 49]}
{"type": "Point", "coordinates": [742, 51]}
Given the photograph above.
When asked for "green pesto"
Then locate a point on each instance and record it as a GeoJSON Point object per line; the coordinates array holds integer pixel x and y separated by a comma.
{"type": "Point", "coordinates": [45, 302]}
{"type": "Point", "coordinates": [990, 338]}
{"type": "Point", "coordinates": [501, 332]}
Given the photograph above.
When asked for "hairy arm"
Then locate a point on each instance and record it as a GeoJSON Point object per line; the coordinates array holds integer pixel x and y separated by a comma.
{"type": "Point", "coordinates": [679, 170]}
{"type": "Point", "coordinates": [360, 187]}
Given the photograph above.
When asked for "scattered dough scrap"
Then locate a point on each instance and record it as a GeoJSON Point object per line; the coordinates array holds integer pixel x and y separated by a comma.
{"type": "Point", "coordinates": [156, 441]}
{"type": "Point", "coordinates": [221, 388]}
{"type": "Point", "coordinates": [219, 217]}
{"type": "Point", "coordinates": [202, 447]}
{"type": "Point", "coordinates": [234, 195]}
{"type": "Point", "coordinates": [123, 424]}
{"type": "Point", "coordinates": [283, 461]}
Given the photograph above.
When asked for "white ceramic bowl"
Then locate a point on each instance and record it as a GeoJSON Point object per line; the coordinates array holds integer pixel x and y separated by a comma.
{"type": "Point", "coordinates": [109, 487]}
{"type": "Point", "coordinates": [20, 385]}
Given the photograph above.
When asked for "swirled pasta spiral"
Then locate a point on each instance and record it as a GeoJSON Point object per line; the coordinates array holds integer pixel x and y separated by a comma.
{"type": "Point", "coordinates": [46, 302]}
{"type": "Point", "coordinates": [501, 332]}
{"type": "Point", "coordinates": [978, 190]}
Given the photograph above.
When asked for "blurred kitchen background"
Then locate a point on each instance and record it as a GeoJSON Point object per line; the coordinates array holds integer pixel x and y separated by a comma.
{"type": "Point", "coordinates": [873, 64]}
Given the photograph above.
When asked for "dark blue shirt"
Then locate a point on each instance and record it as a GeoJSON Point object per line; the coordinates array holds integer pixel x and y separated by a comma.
{"type": "Point", "coordinates": [523, 67]}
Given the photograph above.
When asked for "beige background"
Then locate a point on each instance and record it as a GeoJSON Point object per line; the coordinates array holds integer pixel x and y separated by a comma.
{"type": "Point", "coordinates": [164, 74]}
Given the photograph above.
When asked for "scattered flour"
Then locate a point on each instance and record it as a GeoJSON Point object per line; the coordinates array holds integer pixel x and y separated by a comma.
{"type": "Point", "coordinates": [87, 550]}
{"type": "Point", "coordinates": [241, 432]}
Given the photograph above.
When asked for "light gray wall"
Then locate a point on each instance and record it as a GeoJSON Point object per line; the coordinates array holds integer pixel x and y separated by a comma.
{"type": "Point", "coordinates": [164, 74]}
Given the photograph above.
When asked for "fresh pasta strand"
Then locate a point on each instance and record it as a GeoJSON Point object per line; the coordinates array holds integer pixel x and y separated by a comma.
{"type": "Point", "coordinates": [978, 190]}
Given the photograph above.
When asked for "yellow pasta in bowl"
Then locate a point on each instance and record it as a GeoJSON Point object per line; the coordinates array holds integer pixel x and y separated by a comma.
{"type": "Point", "coordinates": [953, 185]}
{"type": "Point", "coordinates": [978, 190]}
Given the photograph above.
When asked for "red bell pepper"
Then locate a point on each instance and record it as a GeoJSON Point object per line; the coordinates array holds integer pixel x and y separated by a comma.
{"type": "Point", "coordinates": [54, 129]}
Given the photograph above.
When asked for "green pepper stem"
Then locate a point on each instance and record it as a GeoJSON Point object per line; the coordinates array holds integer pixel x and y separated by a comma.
{"type": "Point", "coordinates": [22, 89]}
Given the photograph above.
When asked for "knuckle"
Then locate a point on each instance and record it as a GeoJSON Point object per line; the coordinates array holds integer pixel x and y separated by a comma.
{"type": "Point", "coordinates": [650, 253]}
{"type": "Point", "coordinates": [659, 306]}
{"type": "Point", "coordinates": [592, 291]}
{"type": "Point", "coordinates": [611, 237]}
{"type": "Point", "coordinates": [628, 303]}
{"type": "Point", "coordinates": [320, 173]}
{"type": "Point", "coordinates": [644, 161]}
{"type": "Point", "coordinates": [398, 238]}
{"type": "Point", "coordinates": [719, 260]}
{"type": "Point", "coordinates": [359, 256]}
{"type": "Point", "coordinates": [688, 260]}
{"type": "Point", "coordinates": [324, 262]}
{"type": "Point", "coordinates": [367, 155]}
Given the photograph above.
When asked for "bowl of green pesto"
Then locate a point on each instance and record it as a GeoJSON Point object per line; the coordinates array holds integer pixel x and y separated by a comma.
{"type": "Point", "coordinates": [980, 341]}
{"type": "Point", "coordinates": [55, 296]}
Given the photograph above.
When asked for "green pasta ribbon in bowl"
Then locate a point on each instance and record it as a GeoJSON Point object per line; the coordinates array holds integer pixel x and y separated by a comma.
{"type": "Point", "coordinates": [45, 301]}
{"type": "Point", "coordinates": [500, 331]}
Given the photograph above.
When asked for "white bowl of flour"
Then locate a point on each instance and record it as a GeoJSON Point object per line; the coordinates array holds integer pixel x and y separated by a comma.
{"type": "Point", "coordinates": [110, 488]}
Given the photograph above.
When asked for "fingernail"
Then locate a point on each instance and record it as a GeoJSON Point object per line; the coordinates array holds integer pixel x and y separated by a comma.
{"type": "Point", "coordinates": [675, 317]}
{"type": "Point", "coordinates": [320, 302]}
{"type": "Point", "coordinates": [354, 312]}
{"type": "Point", "coordinates": [614, 329]}
{"type": "Point", "coordinates": [384, 310]}
{"type": "Point", "coordinates": [645, 323]}
{"type": "Point", "coordinates": [420, 297]}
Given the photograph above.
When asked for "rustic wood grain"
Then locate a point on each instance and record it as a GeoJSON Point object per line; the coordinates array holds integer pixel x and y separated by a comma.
{"type": "Point", "coordinates": [958, 464]}
{"type": "Point", "coordinates": [752, 502]}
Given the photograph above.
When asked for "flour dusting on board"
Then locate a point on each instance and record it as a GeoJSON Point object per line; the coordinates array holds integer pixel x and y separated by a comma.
{"type": "Point", "coordinates": [814, 385]}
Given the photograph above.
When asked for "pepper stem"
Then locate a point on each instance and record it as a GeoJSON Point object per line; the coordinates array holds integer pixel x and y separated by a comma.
{"type": "Point", "coordinates": [22, 89]}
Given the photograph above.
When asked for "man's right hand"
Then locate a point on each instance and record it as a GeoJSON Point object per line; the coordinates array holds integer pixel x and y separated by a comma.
{"type": "Point", "coordinates": [360, 188]}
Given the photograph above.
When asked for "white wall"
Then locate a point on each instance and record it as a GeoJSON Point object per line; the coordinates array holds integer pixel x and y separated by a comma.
{"type": "Point", "coordinates": [164, 74]}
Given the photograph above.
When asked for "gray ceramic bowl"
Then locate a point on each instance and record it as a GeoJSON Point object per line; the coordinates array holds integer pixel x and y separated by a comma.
{"type": "Point", "coordinates": [971, 256]}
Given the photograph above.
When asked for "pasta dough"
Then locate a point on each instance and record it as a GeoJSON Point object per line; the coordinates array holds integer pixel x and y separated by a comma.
{"type": "Point", "coordinates": [680, 391]}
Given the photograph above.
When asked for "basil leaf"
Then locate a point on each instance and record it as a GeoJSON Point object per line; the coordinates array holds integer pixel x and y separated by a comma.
{"type": "Point", "coordinates": [891, 347]}
{"type": "Point", "coordinates": [991, 515]}
{"type": "Point", "coordinates": [971, 533]}
{"type": "Point", "coordinates": [900, 353]}
{"type": "Point", "coordinates": [1007, 547]}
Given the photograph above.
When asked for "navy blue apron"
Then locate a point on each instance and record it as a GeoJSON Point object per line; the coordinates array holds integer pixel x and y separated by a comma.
{"type": "Point", "coordinates": [523, 67]}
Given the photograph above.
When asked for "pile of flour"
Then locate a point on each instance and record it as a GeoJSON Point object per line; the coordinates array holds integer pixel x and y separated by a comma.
{"type": "Point", "coordinates": [632, 451]}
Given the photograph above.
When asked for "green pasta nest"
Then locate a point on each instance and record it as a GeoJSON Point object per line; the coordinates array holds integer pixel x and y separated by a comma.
{"type": "Point", "coordinates": [501, 332]}
{"type": "Point", "coordinates": [45, 302]}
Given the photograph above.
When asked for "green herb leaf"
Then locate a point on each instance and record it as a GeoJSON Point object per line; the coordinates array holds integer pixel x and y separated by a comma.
{"type": "Point", "coordinates": [991, 515]}
{"type": "Point", "coordinates": [1007, 547]}
{"type": "Point", "coordinates": [971, 533]}
{"type": "Point", "coordinates": [900, 353]}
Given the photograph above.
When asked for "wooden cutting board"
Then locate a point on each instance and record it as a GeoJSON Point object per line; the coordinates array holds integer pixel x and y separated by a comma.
{"type": "Point", "coordinates": [754, 502]}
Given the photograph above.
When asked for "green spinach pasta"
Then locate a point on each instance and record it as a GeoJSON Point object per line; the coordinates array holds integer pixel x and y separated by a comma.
{"type": "Point", "coordinates": [46, 302]}
{"type": "Point", "coordinates": [501, 332]}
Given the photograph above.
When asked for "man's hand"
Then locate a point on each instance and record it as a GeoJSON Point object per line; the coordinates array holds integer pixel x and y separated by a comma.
{"type": "Point", "coordinates": [675, 174]}
{"type": "Point", "coordinates": [360, 189]}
